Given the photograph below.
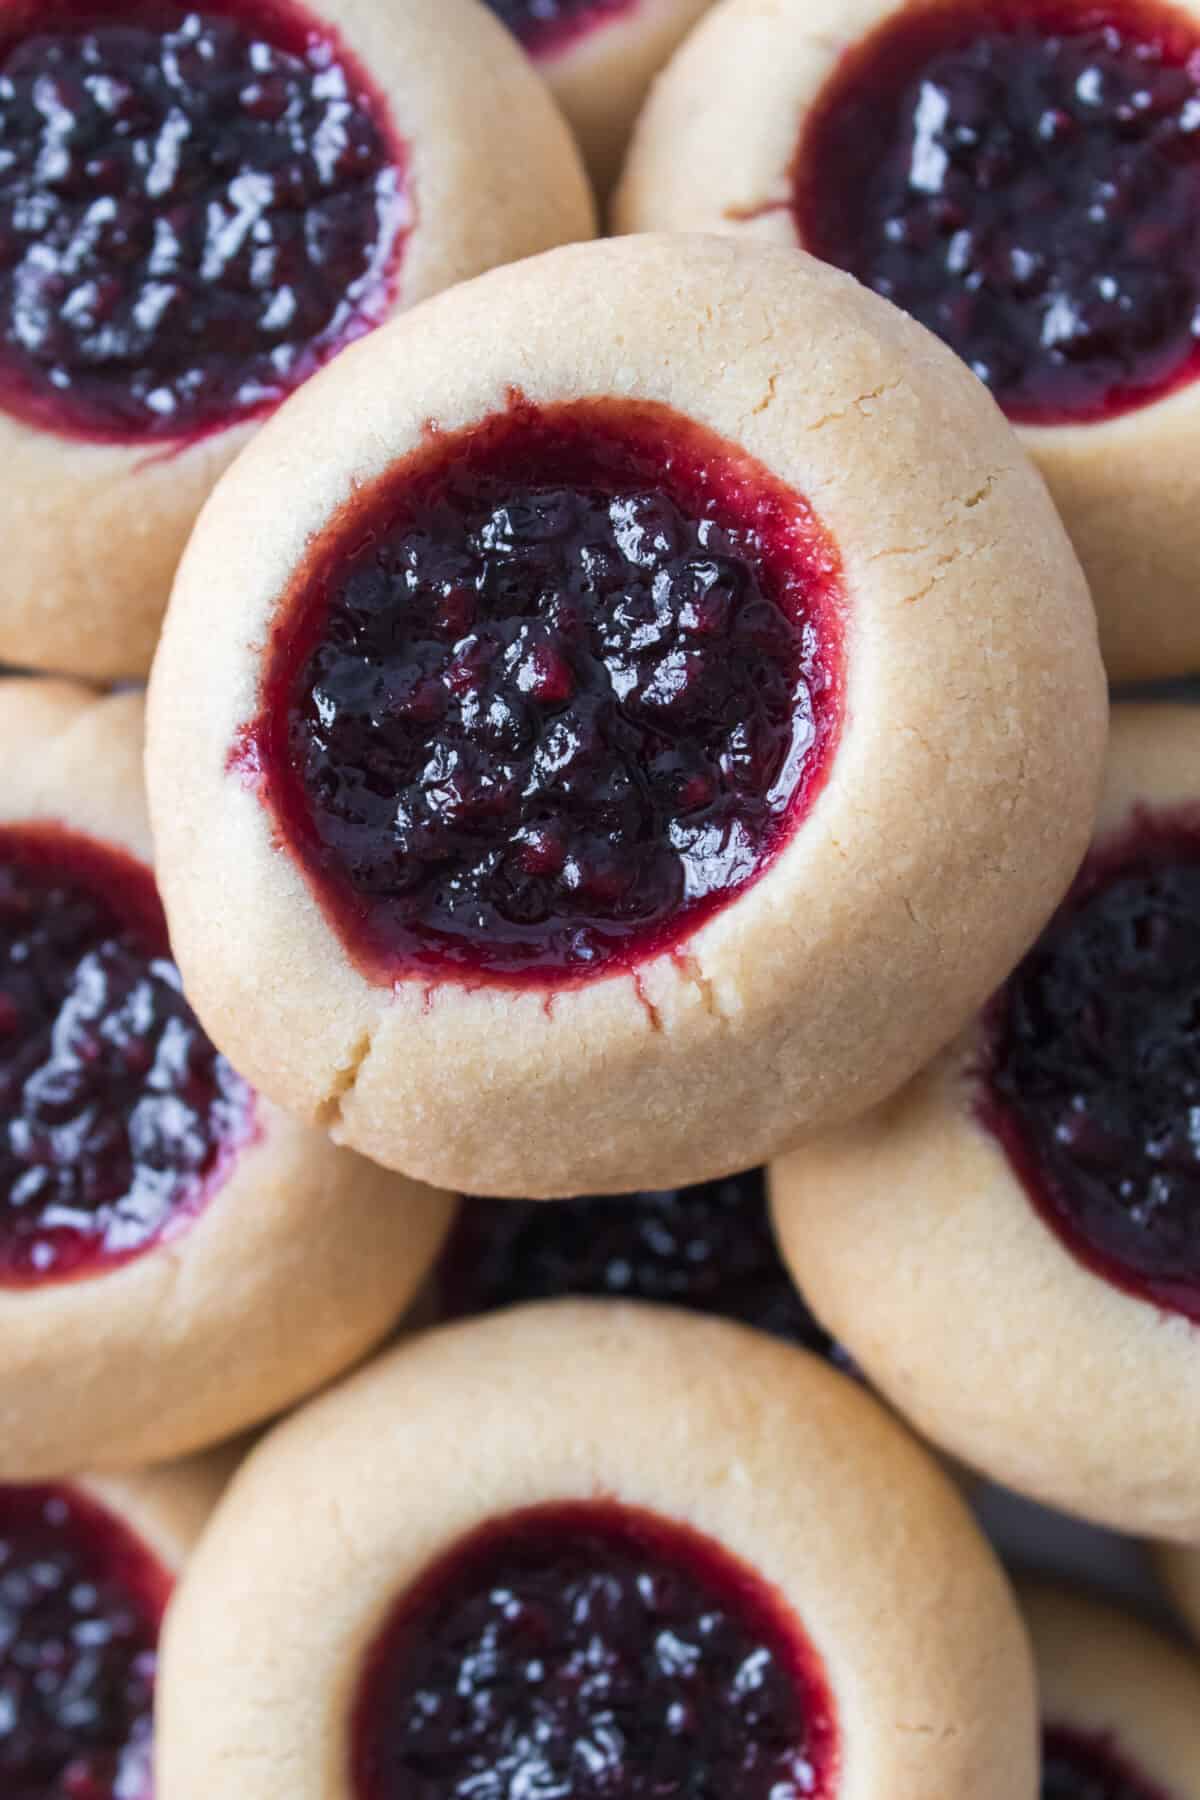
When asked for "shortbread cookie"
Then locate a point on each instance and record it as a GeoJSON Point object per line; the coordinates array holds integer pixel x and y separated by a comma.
{"type": "Point", "coordinates": [198, 207]}
{"type": "Point", "coordinates": [1024, 178]}
{"type": "Point", "coordinates": [669, 707]}
{"type": "Point", "coordinates": [596, 1548]}
{"type": "Point", "coordinates": [1010, 1247]}
{"type": "Point", "coordinates": [177, 1257]}
{"type": "Point", "coordinates": [1120, 1702]}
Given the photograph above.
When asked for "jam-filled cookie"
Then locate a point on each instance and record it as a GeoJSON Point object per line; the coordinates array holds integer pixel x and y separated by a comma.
{"type": "Point", "coordinates": [1179, 1567]}
{"type": "Point", "coordinates": [177, 1257]}
{"type": "Point", "coordinates": [1024, 177]}
{"type": "Point", "coordinates": [199, 206]}
{"type": "Point", "coordinates": [86, 1569]}
{"type": "Point", "coordinates": [709, 1248]}
{"type": "Point", "coordinates": [1010, 1247]}
{"type": "Point", "coordinates": [599, 58]}
{"type": "Point", "coordinates": [602, 724]}
{"type": "Point", "coordinates": [1120, 1703]}
{"type": "Point", "coordinates": [593, 1548]}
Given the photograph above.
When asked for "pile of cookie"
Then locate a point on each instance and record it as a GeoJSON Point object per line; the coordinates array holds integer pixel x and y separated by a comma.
{"type": "Point", "coordinates": [620, 1020]}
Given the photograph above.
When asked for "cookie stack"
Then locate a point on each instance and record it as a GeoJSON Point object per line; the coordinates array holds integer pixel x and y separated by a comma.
{"type": "Point", "coordinates": [624, 909]}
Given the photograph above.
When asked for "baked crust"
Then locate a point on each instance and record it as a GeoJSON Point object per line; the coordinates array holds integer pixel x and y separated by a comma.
{"type": "Point", "coordinates": [601, 79]}
{"type": "Point", "coordinates": [844, 966]}
{"type": "Point", "coordinates": [300, 1262]}
{"type": "Point", "coordinates": [1179, 1569]}
{"type": "Point", "coordinates": [918, 1247]}
{"type": "Point", "coordinates": [758, 1445]}
{"type": "Point", "coordinates": [95, 531]}
{"type": "Point", "coordinates": [1107, 1675]}
{"type": "Point", "coordinates": [1126, 488]}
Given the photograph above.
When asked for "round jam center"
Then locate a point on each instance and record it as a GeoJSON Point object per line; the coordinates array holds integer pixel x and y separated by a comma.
{"type": "Point", "coordinates": [709, 1248]}
{"type": "Point", "coordinates": [117, 1115]}
{"type": "Point", "coordinates": [551, 694]}
{"type": "Point", "coordinates": [1024, 178]}
{"type": "Point", "coordinates": [197, 208]}
{"type": "Point", "coordinates": [1093, 1073]}
{"type": "Point", "coordinates": [590, 1650]}
{"type": "Point", "coordinates": [1075, 1767]}
{"type": "Point", "coordinates": [544, 27]}
{"type": "Point", "coordinates": [81, 1602]}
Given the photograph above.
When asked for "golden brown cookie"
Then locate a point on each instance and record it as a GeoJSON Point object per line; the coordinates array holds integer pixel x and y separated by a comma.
{"type": "Point", "coordinates": [1008, 1246]}
{"type": "Point", "coordinates": [603, 725]}
{"type": "Point", "coordinates": [766, 1577]}
{"type": "Point", "coordinates": [1025, 187]}
{"type": "Point", "coordinates": [239, 196]}
{"type": "Point", "coordinates": [177, 1258]}
{"type": "Point", "coordinates": [1120, 1702]}
{"type": "Point", "coordinates": [86, 1570]}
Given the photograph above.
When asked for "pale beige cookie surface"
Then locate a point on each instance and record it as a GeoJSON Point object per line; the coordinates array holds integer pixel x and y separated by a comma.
{"type": "Point", "coordinates": [952, 810]}
{"type": "Point", "coordinates": [1120, 1702]}
{"type": "Point", "coordinates": [919, 1246]}
{"type": "Point", "coordinates": [95, 528]}
{"type": "Point", "coordinates": [299, 1258]}
{"type": "Point", "coordinates": [717, 148]}
{"type": "Point", "coordinates": [760, 1449]}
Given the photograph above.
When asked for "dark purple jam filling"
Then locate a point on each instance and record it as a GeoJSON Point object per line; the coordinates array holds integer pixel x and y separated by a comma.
{"type": "Point", "coordinates": [590, 1650]}
{"type": "Point", "coordinates": [544, 27]}
{"type": "Point", "coordinates": [197, 209]}
{"type": "Point", "coordinates": [551, 694]}
{"type": "Point", "coordinates": [117, 1116]}
{"type": "Point", "coordinates": [1093, 1068]}
{"type": "Point", "coordinates": [709, 1248]}
{"type": "Point", "coordinates": [81, 1601]}
{"type": "Point", "coordinates": [1023, 176]}
{"type": "Point", "coordinates": [1075, 1767]}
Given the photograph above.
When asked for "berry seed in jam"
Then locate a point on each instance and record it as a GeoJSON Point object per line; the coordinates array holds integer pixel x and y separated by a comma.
{"type": "Point", "coordinates": [709, 1248]}
{"type": "Point", "coordinates": [1023, 176]}
{"type": "Point", "coordinates": [198, 207]}
{"type": "Point", "coordinates": [1092, 1073]}
{"type": "Point", "coordinates": [545, 27]}
{"type": "Point", "coordinates": [1075, 1767]}
{"type": "Point", "coordinates": [119, 1116]}
{"type": "Point", "coordinates": [591, 1650]}
{"type": "Point", "coordinates": [81, 1602]}
{"type": "Point", "coordinates": [550, 695]}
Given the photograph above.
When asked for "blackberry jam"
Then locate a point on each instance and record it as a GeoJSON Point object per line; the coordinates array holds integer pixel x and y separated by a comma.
{"type": "Point", "coordinates": [551, 694]}
{"type": "Point", "coordinates": [1024, 178]}
{"type": "Point", "coordinates": [1092, 1071]}
{"type": "Point", "coordinates": [81, 1602]}
{"type": "Point", "coordinates": [119, 1118]}
{"type": "Point", "coordinates": [591, 1650]}
{"type": "Point", "coordinates": [709, 1248]}
{"type": "Point", "coordinates": [198, 207]}
{"type": "Point", "coordinates": [546, 27]}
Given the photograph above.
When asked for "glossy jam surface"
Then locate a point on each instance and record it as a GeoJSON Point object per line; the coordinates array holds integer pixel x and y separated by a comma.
{"type": "Point", "coordinates": [1075, 1767]}
{"type": "Point", "coordinates": [545, 27]}
{"type": "Point", "coordinates": [81, 1601]}
{"type": "Point", "coordinates": [197, 209]}
{"type": "Point", "coordinates": [1024, 178]}
{"type": "Point", "coordinates": [591, 1650]}
{"type": "Point", "coordinates": [1092, 1080]}
{"type": "Point", "coordinates": [117, 1116]}
{"type": "Point", "coordinates": [709, 1248]}
{"type": "Point", "coordinates": [550, 695]}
